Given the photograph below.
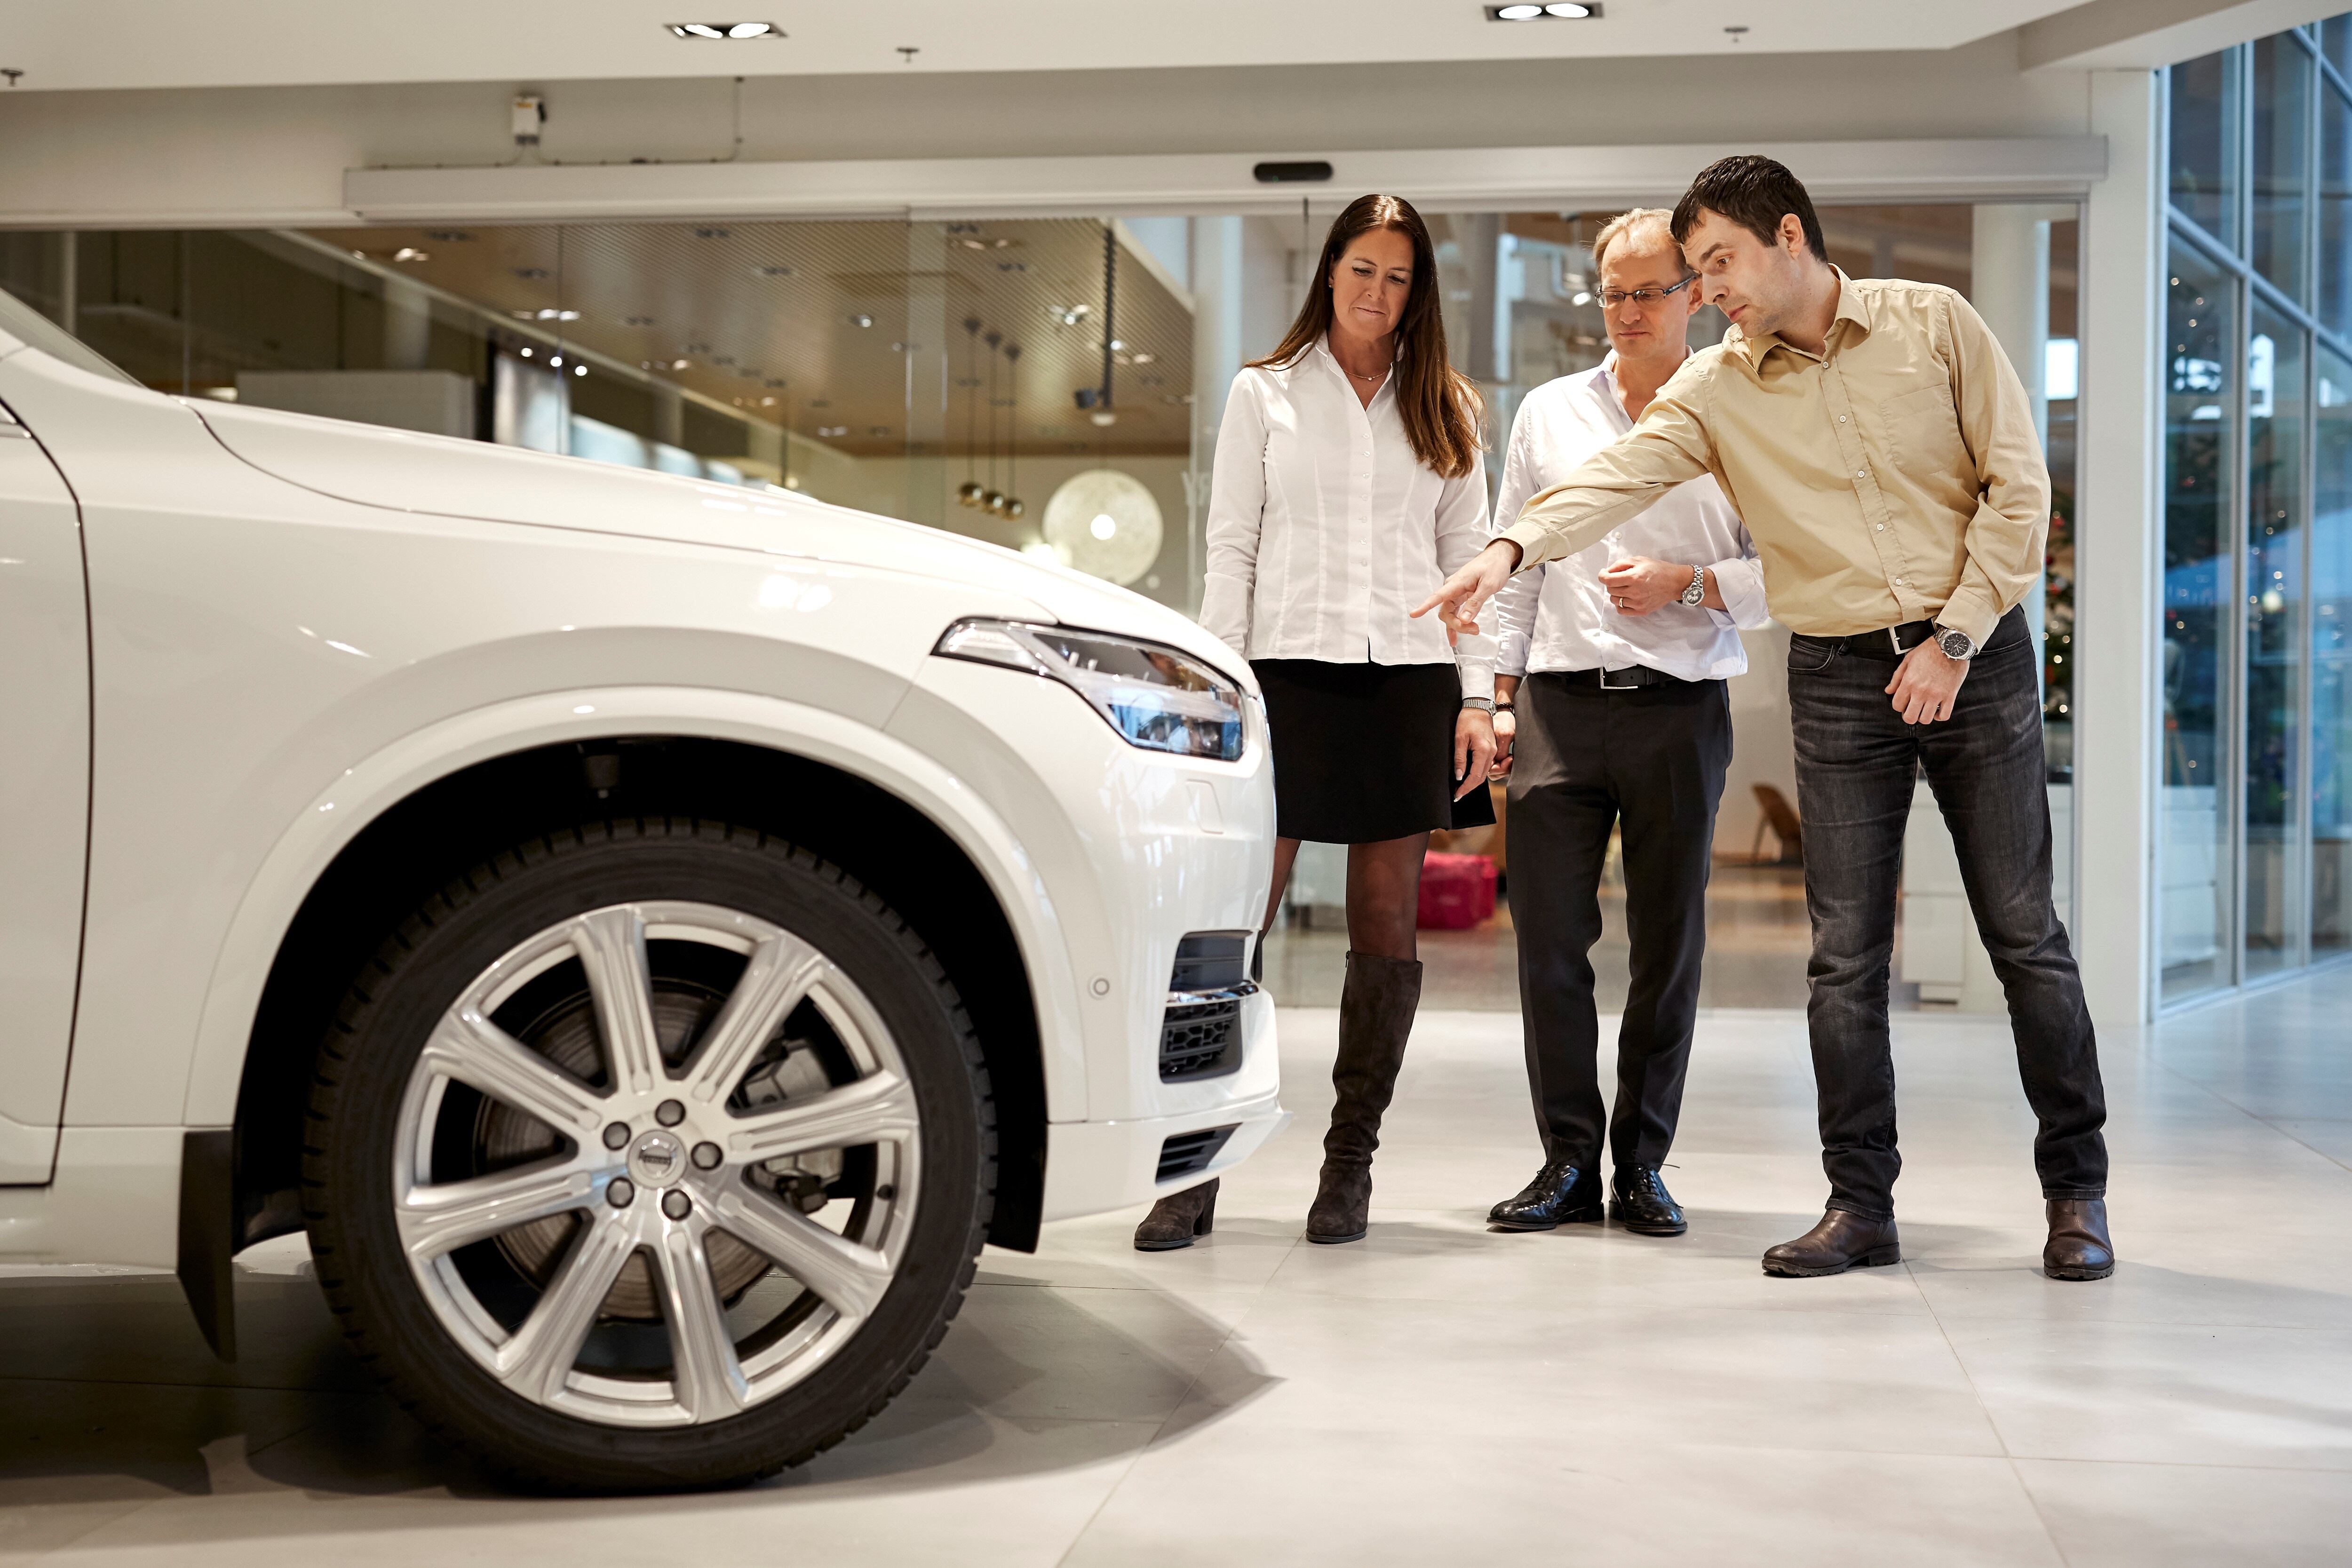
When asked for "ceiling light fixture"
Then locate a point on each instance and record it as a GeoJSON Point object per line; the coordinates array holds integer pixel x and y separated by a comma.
{"type": "Point", "coordinates": [737, 31]}
{"type": "Point", "coordinates": [861, 320]}
{"type": "Point", "coordinates": [1561, 11]}
{"type": "Point", "coordinates": [410, 253]}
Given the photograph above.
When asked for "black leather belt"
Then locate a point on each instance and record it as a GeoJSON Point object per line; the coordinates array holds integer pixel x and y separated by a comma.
{"type": "Point", "coordinates": [1890, 644]}
{"type": "Point", "coordinates": [1630, 680]}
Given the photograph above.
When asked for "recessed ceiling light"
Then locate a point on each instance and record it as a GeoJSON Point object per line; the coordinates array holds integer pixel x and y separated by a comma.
{"type": "Point", "coordinates": [1561, 11]}
{"type": "Point", "coordinates": [580, 370]}
{"type": "Point", "coordinates": [410, 253]}
{"type": "Point", "coordinates": [737, 30]}
{"type": "Point", "coordinates": [861, 320]}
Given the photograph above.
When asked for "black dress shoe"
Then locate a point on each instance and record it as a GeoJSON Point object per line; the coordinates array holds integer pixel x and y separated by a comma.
{"type": "Point", "coordinates": [1841, 1241]}
{"type": "Point", "coordinates": [1639, 1201]}
{"type": "Point", "coordinates": [1562, 1193]}
{"type": "Point", "coordinates": [2078, 1247]}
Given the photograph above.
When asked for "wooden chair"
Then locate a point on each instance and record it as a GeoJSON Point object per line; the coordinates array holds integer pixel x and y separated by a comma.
{"type": "Point", "coordinates": [1782, 818]}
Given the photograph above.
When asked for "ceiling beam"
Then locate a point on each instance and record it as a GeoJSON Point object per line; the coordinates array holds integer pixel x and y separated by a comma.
{"type": "Point", "coordinates": [1443, 180]}
{"type": "Point", "coordinates": [2108, 34]}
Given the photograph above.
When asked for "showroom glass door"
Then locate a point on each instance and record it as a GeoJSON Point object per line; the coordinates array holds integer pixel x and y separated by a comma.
{"type": "Point", "coordinates": [2255, 760]}
{"type": "Point", "coordinates": [2330, 581]}
{"type": "Point", "coordinates": [2273, 798]}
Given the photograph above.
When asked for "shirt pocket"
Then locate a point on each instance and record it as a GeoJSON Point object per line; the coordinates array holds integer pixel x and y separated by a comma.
{"type": "Point", "coordinates": [1923, 427]}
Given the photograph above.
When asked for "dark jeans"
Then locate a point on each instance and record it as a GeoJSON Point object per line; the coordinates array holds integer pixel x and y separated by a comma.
{"type": "Point", "coordinates": [1652, 759]}
{"type": "Point", "coordinates": [1856, 760]}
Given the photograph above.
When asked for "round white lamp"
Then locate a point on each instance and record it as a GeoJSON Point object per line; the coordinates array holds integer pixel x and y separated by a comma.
{"type": "Point", "coordinates": [1104, 523]}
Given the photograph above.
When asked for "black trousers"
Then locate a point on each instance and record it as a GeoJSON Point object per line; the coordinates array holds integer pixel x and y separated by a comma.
{"type": "Point", "coordinates": [1653, 760]}
{"type": "Point", "coordinates": [1856, 764]}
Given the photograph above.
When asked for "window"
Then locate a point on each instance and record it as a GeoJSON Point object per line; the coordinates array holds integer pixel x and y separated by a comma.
{"type": "Point", "coordinates": [2333, 294]}
{"type": "Point", "coordinates": [2283, 82]}
{"type": "Point", "coordinates": [2331, 657]}
{"type": "Point", "coordinates": [2273, 796]}
{"type": "Point", "coordinates": [2204, 151]}
{"type": "Point", "coordinates": [2197, 882]}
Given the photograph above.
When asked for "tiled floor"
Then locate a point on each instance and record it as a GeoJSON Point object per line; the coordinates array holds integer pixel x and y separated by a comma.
{"type": "Point", "coordinates": [1436, 1393]}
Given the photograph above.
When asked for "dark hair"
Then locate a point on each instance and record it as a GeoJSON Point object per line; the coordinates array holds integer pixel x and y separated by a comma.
{"type": "Point", "coordinates": [1753, 191]}
{"type": "Point", "coordinates": [1439, 404]}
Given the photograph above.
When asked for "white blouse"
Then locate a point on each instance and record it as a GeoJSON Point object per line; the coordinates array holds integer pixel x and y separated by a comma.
{"type": "Point", "coordinates": [1558, 616]}
{"type": "Point", "coordinates": [1325, 530]}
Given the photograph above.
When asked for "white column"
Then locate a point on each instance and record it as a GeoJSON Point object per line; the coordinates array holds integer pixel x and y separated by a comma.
{"type": "Point", "coordinates": [2119, 552]}
{"type": "Point", "coordinates": [670, 414]}
{"type": "Point", "coordinates": [407, 324]}
{"type": "Point", "coordinates": [1218, 300]}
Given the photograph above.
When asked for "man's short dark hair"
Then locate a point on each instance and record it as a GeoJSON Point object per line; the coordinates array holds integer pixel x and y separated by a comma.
{"type": "Point", "coordinates": [1753, 191]}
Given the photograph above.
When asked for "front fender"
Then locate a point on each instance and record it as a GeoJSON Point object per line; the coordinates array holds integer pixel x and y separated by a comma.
{"type": "Point", "coordinates": [308, 845]}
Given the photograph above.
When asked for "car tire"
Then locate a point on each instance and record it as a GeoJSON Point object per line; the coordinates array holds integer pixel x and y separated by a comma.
{"type": "Point", "coordinates": [618, 1186]}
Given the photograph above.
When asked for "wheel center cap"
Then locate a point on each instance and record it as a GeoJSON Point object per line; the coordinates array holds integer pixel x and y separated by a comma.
{"type": "Point", "coordinates": [656, 1159]}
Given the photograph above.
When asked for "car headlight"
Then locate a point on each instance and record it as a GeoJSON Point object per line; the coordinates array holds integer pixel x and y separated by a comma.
{"type": "Point", "coordinates": [1154, 696]}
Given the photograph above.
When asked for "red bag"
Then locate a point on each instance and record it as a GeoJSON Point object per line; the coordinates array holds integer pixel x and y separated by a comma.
{"type": "Point", "coordinates": [1457, 891]}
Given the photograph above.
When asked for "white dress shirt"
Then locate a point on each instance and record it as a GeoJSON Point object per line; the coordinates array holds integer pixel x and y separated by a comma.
{"type": "Point", "coordinates": [1325, 530]}
{"type": "Point", "coordinates": [1558, 616]}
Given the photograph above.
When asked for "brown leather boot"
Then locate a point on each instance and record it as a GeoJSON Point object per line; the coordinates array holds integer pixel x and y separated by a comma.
{"type": "Point", "coordinates": [1841, 1241]}
{"type": "Point", "coordinates": [1376, 1008]}
{"type": "Point", "coordinates": [1176, 1219]}
{"type": "Point", "coordinates": [2078, 1247]}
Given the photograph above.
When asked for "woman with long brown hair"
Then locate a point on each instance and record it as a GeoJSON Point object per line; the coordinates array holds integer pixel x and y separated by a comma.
{"type": "Point", "coordinates": [1348, 482]}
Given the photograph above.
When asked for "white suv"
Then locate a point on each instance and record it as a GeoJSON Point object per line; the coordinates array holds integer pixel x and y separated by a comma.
{"type": "Point", "coordinates": [649, 933]}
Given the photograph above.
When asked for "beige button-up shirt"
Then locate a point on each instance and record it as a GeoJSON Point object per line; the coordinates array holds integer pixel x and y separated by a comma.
{"type": "Point", "coordinates": [1895, 476]}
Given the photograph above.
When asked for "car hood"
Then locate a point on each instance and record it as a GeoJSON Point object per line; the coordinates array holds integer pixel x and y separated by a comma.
{"type": "Point", "coordinates": [407, 472]}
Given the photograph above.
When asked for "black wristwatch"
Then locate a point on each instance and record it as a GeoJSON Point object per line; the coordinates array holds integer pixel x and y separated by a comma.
{"type": "Point", "coordinates": [1956, 644]}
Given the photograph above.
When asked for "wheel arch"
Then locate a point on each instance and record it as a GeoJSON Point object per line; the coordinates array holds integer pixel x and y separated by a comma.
{"type": "Point", "coordinates": [944, 864]}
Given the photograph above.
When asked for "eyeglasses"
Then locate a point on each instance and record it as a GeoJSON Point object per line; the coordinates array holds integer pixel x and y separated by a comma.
{"type": "Point", "coordinates": [1645, 298]}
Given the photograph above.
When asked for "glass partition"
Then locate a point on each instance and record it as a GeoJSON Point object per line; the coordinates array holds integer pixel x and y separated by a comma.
{"type": "Point", "coordinates": [953, 373]}
{"type": "Point", "coordinates": [2204, 146]}
{"type": "Point", "coordinates": [2273, 795]}
{"type": "Point", "coordinates": [2331, 657]}
{"type": "Point", "coordinates": [2283, 73]}
{"type": "Point", "coordinates": [2197, 885]}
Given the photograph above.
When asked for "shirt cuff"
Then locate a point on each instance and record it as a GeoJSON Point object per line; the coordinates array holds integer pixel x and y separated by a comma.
{"type": "Point", "coordinates": [1967, 613]}
{"type": "Point", "coordinates": [1477, 678]}
{"type": "Point", "coordinates": [1534, 540]}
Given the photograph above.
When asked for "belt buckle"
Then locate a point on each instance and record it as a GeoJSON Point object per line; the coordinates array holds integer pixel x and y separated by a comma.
{"type": "Point", "coordinates": [1894, 636]}
{"type": "Point", "coordinates": [1636, 685]}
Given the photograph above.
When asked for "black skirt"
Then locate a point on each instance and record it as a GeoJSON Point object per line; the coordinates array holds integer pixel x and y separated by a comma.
{"type": "Point", "coordinates": [1364, 752]}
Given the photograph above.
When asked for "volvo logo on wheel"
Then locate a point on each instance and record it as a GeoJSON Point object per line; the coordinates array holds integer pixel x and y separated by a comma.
{"type": "Point", "coordinates": [656, 1159]}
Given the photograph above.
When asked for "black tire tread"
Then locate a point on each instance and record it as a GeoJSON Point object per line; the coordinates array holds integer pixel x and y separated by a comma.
{"type": "Point", "coordinates": [335, 1054]}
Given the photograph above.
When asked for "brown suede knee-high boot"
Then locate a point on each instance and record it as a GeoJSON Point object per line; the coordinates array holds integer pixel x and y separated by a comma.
{"type": "Point", "coordinates": [1376, 1008]}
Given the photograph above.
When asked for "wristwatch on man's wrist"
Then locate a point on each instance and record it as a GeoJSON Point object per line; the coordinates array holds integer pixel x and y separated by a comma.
{"type": "Point", "coordinates": [1695, 594]}
{"type": "Point", "coordinates": [1956, 644]}
{"type": "Point", "coordinates": [1484, 704]}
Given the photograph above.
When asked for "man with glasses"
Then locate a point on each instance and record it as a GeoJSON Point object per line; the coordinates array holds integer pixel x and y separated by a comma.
{"type": "Point", "coordinates": [1610, 715]}
{"type": "Point", "coordinates": [1879, 444]}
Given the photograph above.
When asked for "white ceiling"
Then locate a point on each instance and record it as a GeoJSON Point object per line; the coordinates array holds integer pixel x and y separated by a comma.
{"type": "Point", "coordinates": [73, 44]}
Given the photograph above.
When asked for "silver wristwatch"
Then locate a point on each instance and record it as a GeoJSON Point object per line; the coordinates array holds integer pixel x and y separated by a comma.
{"type": "Point", "coordinates": [1695, 594]}
{"type": "Point", "coordinates": [1955, 644]}
{"type": "Point", "coordinates": [1484, 704]}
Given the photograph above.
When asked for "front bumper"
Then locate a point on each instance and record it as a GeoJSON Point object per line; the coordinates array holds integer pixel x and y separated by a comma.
{"type": "Point", "coordinates": [1092, 1167]}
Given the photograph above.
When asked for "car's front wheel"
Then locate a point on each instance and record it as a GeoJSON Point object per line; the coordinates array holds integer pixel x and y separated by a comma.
{"type": "Point", "coordinates": [649, 1154]}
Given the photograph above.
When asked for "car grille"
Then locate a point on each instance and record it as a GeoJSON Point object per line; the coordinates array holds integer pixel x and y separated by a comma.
{"type": "Point", "coordinates": [1188, 1153]}
{"type": "Point", "coordinates": [1201, 1032]}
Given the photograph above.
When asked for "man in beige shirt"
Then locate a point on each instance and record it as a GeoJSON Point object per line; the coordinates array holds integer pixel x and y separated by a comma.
{"type": "Point", "coordinates": [1880, 450]}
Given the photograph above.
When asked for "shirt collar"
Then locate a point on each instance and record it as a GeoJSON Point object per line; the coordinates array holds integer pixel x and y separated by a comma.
{"type": "Point", "coordinates": [1604, 386]}
{"type": "Point", "coordinates": [1323, 347]}
{"type": "Point", "coordinates": [1850, 308]}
